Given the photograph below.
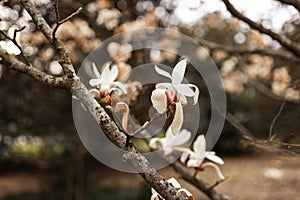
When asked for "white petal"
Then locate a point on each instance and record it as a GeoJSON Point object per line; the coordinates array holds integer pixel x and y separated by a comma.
{"type": "Point", "coordinates": [163, 85]}
{"type": "Point", "coordinates": [178, 72]}
{"type": "Point", "coordinates": [184, 156]}
{"type": "Point", "coordinates": [197, 92]}
{"type": "Point", "coordinates": [110, 75]}
{"type": "Point", "coordinates": [153, 143]}
{"type": "Point", "coordinates": [199, 145]}
{"type": "Point", "coordinates": [215, 159]}
{"type": "Point", "coordinates": [159, 100]}
{"type": "Point", "coordinates": [94, 92]}
{"type": "Point", "coordinates": [155, 196]}
{"type": "Point", "coordinates": [122, 86]}
{"type": "Point", "coordinates": [183, 100]}
{"type": "Point", "coordinates": [167, 150]}
{"type": "Point", "coordinates": [193, 163]}
{"type": "Point", "coordinates": [95, 70]}
{"type": "Point", "coordinates": [94, 82]}
{"type": "Point", "coordinates": [169, 136]}
{"type": "Point", "coordinates": [178, 119]}
{"type": "Point", "coordinates": [182, 137]}
{"type": "Point", "coordinates": [105, 71]}
{"type": "Point", "coordinates": [174, 182]}
{"type": "Point", "coordinates": [162, 72]}
{"type": "Point", "coordinates": [185, 90]}
{"type": "Point", "coordinates": [156, 143]}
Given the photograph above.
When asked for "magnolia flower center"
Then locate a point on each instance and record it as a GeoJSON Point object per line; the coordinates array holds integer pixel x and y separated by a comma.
{"type": "Point", "coordinates": [171, 99]}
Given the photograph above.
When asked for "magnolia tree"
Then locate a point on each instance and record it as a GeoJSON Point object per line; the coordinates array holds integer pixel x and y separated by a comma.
{"type": "Point", "coordinates": [105, 91]}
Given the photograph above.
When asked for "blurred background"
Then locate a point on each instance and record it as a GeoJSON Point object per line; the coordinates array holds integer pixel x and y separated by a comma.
{"type": "Point", "coordinates": [41, 155]}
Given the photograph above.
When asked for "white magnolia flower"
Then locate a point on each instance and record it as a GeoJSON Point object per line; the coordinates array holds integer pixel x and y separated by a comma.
{"type": "Point", "coordinates": [197, 157]}
{"type": "Point", "coordinates": [105, 82]}
{"type": "Point", "coordinates": [170, 142]}
{"type": "Point", "coordinates": [173, 93]}
{"type": "Point", "coordinates": [177, 186]}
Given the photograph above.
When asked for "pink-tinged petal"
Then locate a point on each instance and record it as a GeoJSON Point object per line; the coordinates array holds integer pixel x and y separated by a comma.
{"type": "Point", "coordinates": [159, 100]}
{"type": "Point", "coordinates": [174, 182]}
{"type": "Point", "coordinates": [217, 169]}
{"type": "Point", "coordinates": [94, 82]}
{"type": "Point", "coordinates": [178, 72]}
{"type": "Point", "coordinates": [178, 119]}
{"type": "Point", "coordinates": [123, 108]}
{"type": "Point", "coordinates": [215, 159]}
{"type": "Point", "coordinates": [162, 72]}
{"type": "Point", "coordinates": [185, 90]}
{"type": "Point", "coordinates": [95, 70]}
{"type": "Point", "coordinates": [182, 137]}
{"type": "Point", "coordinates": [199, 146]}
{"type": "Point", "coordinates": [197, 92]}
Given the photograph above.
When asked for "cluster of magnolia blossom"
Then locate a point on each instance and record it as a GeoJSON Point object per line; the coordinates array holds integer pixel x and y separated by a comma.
{"type": "Point", "coordinates": [164, 98]}
{"type": "Point", "coordinates": [168, 98]}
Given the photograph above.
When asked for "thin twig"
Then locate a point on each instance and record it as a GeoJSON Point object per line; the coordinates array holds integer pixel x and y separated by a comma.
{"type": "Point", "coordinates": [14, 40]}
{"type": "Point", "coordinates": [271, 136]}
{"type": "Point", "coordinates": [58, 23]}
{"type": "Point", "coordinates": [147, 124]}
{"type": "Point", "coordinates": [217, 183]}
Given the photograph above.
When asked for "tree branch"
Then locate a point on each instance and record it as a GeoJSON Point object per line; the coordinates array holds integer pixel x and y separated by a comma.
{"type": "Point", "coordinates": [49, 80]}
{"type": "Point", "coordinates": [263, 89]}
{"type": "Point", "coordinates": [14, 40]}
{"type": "Point", "coordinates": [244, 51]}
{"type": "Point", "coordinates": [282, 39]}
{"type": "Point", "coordinates": [150, 175]}
{"type": "Point", "coordinates": [58, 45]}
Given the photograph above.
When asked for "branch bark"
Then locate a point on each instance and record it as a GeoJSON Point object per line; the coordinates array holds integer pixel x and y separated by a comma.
{"type": "Point", "coordinates": [282, 39]}
{"type": "Point", "coordinates": [15, 64]}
